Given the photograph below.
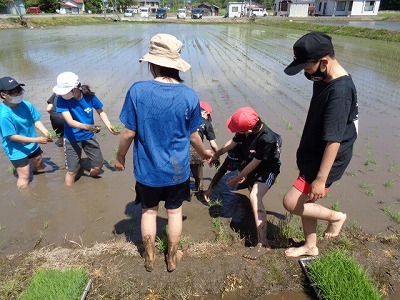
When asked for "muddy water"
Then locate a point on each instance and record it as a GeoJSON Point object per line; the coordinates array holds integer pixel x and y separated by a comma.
{"type": "Point", "coordinates": [232, 66]}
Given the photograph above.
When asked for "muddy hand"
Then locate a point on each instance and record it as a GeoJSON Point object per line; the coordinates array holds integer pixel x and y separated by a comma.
{"type": "Point", "coordinates": [113, 130]}
{"type": "Point", "coordinates": [94, 128]}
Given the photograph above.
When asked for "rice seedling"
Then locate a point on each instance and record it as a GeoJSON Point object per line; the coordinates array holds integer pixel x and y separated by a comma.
{"type": "Point", "coordinates": [162, 243]}
{"type": "Point", "coordinates": [392, 167]}
{"type": "Point", "coordinates": [335, 206]}
{"type": "Point", "coordinates": [46, 224]}
{"type": "Point", "coordinates": [11, 170]}
{"type": "Point", "coordinates": [388, 183]}
{"type": "Point", "coordinates": [337, 275]}
{"type": "Point", "coordinates": [394, 215]}
{"type": "Point", "coordinates": [2, 226]}
{"type": "Point", "coordinates": [369, 191]}
{"type": "Point", "coordinates": [56, 284]}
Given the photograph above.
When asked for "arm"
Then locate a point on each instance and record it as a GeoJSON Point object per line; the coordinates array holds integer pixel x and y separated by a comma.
{"type": "Point", "coordinates": [239, 178]}
{"type": "Point", "coordinates": [197, 143]}
{"type": "Point", "coordinates": [106, 121]}
{"type": "Point", "coordinates": [229, 145]}
{"type": "Point", "coordinates": [317, 190]}
{"type": "Point", "coordinates": [24, 139]}
{"type": "Point", "coordinates": [49, 107]}
{"type": "Point", "coordinates": [213, 145]}
{"type": "Point", "coordinates": [75, 124]}
{"type": "Point", "coordinates": [39, 125]}
{"type": "Point", "coordinates": [125, 142]}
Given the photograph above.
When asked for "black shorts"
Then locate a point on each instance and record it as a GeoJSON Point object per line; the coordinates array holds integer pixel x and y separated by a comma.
{"type": "Point", "coordinates": [173, 195]}
{"type": "Point", "coordinates": [266, 177]}
{"type": "Point", "coordinates": [19, 163]}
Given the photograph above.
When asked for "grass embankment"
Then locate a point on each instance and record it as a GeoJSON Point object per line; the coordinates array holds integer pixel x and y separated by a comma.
{"type": "Point", "coordinates": [375, 34]}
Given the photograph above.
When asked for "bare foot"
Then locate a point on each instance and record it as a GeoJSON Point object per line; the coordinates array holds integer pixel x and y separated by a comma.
{"type": "Point", "coordinates": [149, 256]}
{"type": "Point", "coordinates": [333, 229]}
{"type": "Point", "coordinates": [300, 251]}
{"type": "Point", "coordinates": [94, 172]}
{"type": "Point", "coordinates": [172, 260]}
{"type": "Point", "coordinates": [256, 252]}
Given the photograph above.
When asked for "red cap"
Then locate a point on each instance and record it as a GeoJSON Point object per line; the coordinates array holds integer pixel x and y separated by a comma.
{"type": "Point", "coordinates": [243, 119]}
{"type": "Point", "coordinates": [206, 106]}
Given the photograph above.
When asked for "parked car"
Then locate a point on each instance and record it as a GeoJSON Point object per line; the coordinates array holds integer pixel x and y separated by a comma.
{"type": "Point", "coordinates": [144, 12]}
{"type": "Point", "coordinates": [258, 12]}
{"type": "Point", "coordinates": [129, 13]}
{"type": "Point", "coordinates": [197, 13]}
{"type": "Point", "coordinates": [33, 10]}
{"type": "Point", "coordinates": [181, 13]}
{"type": "Point", "coordinates": [161, 13]}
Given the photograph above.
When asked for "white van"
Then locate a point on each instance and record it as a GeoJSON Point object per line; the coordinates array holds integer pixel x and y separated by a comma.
{"type": "Point", "coordinates": [258, 12]}
{"type": "Point", "coordinates": [144, 12]}
{"type": "Point", "coordinates": [181, 13]}
{"type": "Point", "coordinates": [129, 12]}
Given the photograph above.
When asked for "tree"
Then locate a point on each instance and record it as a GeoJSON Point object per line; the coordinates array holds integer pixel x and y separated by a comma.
{"type": "Point", "coordinates": [390, 5]}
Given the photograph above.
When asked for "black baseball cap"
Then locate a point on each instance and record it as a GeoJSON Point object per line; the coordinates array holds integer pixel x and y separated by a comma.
{"type": "Point", "coordinates": [8, 84]}
{"type": "Point", "coordinates": [308, 48]}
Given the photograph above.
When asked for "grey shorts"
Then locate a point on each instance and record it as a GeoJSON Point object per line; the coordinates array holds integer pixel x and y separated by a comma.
{"type": "Point", "coordinates": [73, 153]}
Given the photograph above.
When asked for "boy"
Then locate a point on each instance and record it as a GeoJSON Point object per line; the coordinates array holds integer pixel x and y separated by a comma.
{"type": "Point", "coordinates": [261, 149]}
{"type": "Point", "coordinates": [326, 146]}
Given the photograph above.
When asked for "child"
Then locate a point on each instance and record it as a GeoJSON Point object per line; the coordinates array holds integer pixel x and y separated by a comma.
{"type": "Point", "coordinates": [261, 150]}
{"type": "Point", "coordinates": [76, 103]}
{"type": "Point", "coordinates": [326, 145]}
{"type": "Point", "coordinates": [205, 130]}
{"type": "Point", "coordinates": [18, 119]}
{"type": "Point", "coordinates": [56, 119]}
{"type": "Point", "coordinates": [161, 116]}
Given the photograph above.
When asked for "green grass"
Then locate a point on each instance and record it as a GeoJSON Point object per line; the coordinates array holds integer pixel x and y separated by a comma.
{"type": "Point", "coordinates": [56, 284]}
{"type": "Point", "coordinates": [389, 183]}
{"type": "Point", "coordinates": [394, 215]}
{"type": "Point", "coordinates": [338, 276]}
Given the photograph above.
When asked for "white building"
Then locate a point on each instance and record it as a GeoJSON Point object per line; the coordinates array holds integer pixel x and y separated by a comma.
{"type": "Point", "coordinates": [346, 7]}
{"type": "Point", "coordinates": [72, 7]}
{"type": "Point", "coordinates": [236, 9]}
{"type": "Point", "coordinates": [297, 8]}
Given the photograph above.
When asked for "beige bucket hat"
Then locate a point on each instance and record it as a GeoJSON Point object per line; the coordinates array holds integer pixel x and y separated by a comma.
{"type": "Point", "coordinates": [165, 51]}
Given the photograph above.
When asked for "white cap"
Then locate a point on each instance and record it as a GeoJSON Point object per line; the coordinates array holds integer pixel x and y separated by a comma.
{"type": "Point", "coordinates": [65, 83]}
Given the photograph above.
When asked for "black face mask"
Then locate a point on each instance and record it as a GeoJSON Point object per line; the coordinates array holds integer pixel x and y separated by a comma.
{"type": "Point", "coordinates": [318, 75]}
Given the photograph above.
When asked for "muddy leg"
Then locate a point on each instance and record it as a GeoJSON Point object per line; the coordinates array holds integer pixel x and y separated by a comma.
{"type": "Point", "coordinates": [173, 257]}
{"type": "Point", "coordinates": [149, 257]}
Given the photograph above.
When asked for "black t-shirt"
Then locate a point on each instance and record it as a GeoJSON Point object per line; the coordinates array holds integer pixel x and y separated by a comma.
{"type": "Point", "coordinates": [332, 117]}
{"type": "Point", "coordinates": [206, 130]}
{"type": "Point", "coordinates": [264, 145]}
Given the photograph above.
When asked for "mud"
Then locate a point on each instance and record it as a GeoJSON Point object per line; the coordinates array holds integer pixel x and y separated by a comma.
{"type": "Point", "coordinates": [232, 66]}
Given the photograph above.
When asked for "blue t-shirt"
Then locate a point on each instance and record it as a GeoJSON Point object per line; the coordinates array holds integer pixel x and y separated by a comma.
{"type": "Point", "coordinates": [18, 121]}
{"type": "Point", "coordinates": [81, 111]}
{"type": "Point", "coordinates": [163, 115]}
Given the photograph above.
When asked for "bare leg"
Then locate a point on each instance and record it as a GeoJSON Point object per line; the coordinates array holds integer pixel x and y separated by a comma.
{"type": "Point", "coordinates": [260, 217]}
{"type": "Point", "coordinates": [174, 235]}
{"type": "Point", "coordinates": [149, 228]}
{"type": "Point", "coordinates": [70, 178]}
{"type": "Point", "coordinates": [37, 164]}
{"type": "Point", "coordinates": [298, 204]}
{"type": "Point", "coordinates": [23, 176]}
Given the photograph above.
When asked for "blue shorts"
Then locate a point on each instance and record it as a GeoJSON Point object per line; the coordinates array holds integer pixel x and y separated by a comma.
{"type": "Point", "coordinates": [173, 195]}
{"type": "Point", "coordinates": [19, 163]}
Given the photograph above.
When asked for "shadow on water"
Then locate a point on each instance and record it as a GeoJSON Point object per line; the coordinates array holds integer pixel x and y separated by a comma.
{"type": "Point", "coordinates": [230, 204]}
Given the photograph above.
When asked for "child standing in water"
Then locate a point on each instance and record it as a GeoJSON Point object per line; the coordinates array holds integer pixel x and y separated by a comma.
{"type": "Point", "coordinates": [76, 103]}
{"type": "Point", "coordinates": [18, 119]}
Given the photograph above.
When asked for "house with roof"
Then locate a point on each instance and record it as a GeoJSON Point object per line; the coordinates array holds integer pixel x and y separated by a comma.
{"type": "Point", "coordinates": [72, 7]}
{"type": "Point", "coordinates": [152, 5]}
{"type": "Point", "coordinates": [209, 9]}
{"type": "Point", "coordinates": [347, 7]}
{"type": "Point", "coordinates": [303, 8]}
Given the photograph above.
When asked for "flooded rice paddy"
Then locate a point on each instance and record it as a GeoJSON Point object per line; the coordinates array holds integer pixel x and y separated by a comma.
{"type": "Point", "coordinates": [232, 66]}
